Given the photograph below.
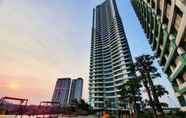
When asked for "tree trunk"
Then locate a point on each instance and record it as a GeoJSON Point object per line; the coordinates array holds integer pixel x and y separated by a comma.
{"type": "Point", "coordinates": [132, 107]}
{"type": "Point", "coordinates": [150, 99]}
{"type": "Point", "coordinates": [156, 100]}
{"type": "Point", "coordinates": [135, 108]}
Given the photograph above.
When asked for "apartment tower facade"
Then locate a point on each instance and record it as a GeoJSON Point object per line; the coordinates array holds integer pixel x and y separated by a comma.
{"type": "Point", "coordinates": [110, 58]}
{"type": "Point", "coordinates": [164, 23]}
{"type": "Point", "coordinates": [76, 89]}
{"type": "Point", "coordinates": [61, 91]}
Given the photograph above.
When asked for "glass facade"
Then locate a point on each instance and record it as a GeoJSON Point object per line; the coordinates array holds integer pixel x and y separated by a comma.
{"type": "Point", "coordinates": [61, 91]}
{"type": "Point", "coordinates": [110, 58]}
{"type": "Point", "coordinates": [76, 89]}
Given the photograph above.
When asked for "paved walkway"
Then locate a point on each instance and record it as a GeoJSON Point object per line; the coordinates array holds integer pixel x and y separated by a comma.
{"type": "Point", "coordinates": [13, 116]}
{"type": "Point", "coordinates": [80, 117]}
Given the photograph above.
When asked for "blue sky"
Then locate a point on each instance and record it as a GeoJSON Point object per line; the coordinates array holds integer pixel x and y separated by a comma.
{"type": "Point", "coordinates": [139, 45]}
{"type": "Point", "coordinates": [42, 40]}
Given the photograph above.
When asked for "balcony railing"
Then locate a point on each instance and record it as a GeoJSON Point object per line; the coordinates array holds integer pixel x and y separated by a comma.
{"type": "Point", "coordinates": [177, 22]}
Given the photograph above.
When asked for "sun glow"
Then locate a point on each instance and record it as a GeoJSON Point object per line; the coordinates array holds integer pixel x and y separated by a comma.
{"type": "Point", "coordinates": [13, 86]}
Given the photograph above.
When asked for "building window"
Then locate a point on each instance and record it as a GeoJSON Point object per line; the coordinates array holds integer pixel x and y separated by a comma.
{"type": "Point", "coordinates": [110, 94]}
{"type": "Point", "coordinates": [169, 2]}
{"type": "Point", "coordinates": [153, 4]}
{"type": "Point", "coordinates": [174, 84]}
{"type": "Point", "coordinates": [118, 82]}
{"type": "Point", "coordinates": [182, 79]}
{"type": "Point", "coordinates": [98, 99]}
{"type": "Point", "coordinates": [161, 39]}
{"type": "Point", "coordinates": [168, 45]}
{"type": "Point", "coordinates": [109, 89]}
{"type": "Point", "coordinates": [169, 71]}
{"type": "Point", "coordinates": [168, 9]}
{"type": "Point", "coordinates": [176, 61]}
{"type": "Point", "coordinates": [182, 100]}
{"type": "Point", "coordinates": [159, 12]}
{"type": "Point", "coordinates": [177, 18]}
{"type": "Point", "coordinates": [182, 44]}
{"type": "Point", "coordinates": [165, 20]}
{"type": "Point", "coordinates": [184, 75]}
{"type": "Point", "coordinates": [109, 84]}
{"type": "Point", "coordinates": [163, 60]}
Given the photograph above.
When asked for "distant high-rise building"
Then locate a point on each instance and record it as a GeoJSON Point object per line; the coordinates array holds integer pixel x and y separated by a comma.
{"type": "Point", "coordinates": [164, 23]}
{"type": "Point", "coordinates": [110, 60]}
{"type": "Point", "coordinates": [76, 89]}
{"type": "Point", "coordinates": [61, 91]}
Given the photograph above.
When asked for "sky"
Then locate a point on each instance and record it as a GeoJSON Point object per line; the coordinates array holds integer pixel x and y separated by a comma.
{"type": "Point", "coordinates": [42, 40]}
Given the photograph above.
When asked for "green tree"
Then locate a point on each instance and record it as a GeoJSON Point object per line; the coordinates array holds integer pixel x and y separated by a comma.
{"type": "Point", "coordinates": [130, 91]}
{"type": "Point", "coordinates": [83, 105]}
{"type": "Point", "coordinates": [160, 90]}
{"type": "Point", "coordinates": [144, 65]}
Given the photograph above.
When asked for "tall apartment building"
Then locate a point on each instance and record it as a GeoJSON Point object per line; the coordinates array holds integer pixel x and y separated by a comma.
{"type": "Point", "coordinates": [76, 89]}
{"type": "Point", "coordinates": [110, 58]}
{"type": "Point", "coordinates": [164, 23]}
{"type": "Point", "coordinates": [61, 91]}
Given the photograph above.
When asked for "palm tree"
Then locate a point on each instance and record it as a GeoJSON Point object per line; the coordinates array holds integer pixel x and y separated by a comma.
{"type": "Point", "coordinates": [146, 85]}
{"type": "Point", "coordinates": [130, 91]}
{"type": "Point", "coordinates": [144, 64]}
{"type": "Point", "coordinates": [160, 90]}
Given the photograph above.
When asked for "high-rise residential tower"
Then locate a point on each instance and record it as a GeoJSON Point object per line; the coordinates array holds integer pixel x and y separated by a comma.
{"type": "Point", "coordinates": [164, 22]}
{"type": "Point", "coordinates": [76, 89]}
{"type": "Point", "coordinates": [110, 57]}
{"type": "Point", "coordinates": [61, 91]}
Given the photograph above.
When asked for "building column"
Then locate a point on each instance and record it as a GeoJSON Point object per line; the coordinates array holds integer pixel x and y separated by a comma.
{"type": "Point", "coordinates": [143, 14]}
{"type": "Point", "coordinates": [150, 24]}
{"type": "Point", "coordinates": [182, 29]}
{"type": "Point", "coordinates": [163, 10]}
{"type": "Point", "coordinates": [159, 33]}
{"type": "Point", "coordinates": [171, 52]}
{"type": "Point", "coordinates": [171, 17]}
{"type": "Point", "coordinates": [146, 18]}
{"type": "Point", "coordinates": [179, 68]}
{"type": "Point", "coordinates": [165, 42]}
{"type": "Point", "coordinates": [154, 30]}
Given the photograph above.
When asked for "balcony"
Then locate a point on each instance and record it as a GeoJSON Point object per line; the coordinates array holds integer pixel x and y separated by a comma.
{"type": "Point", "coordinates": [168, 11]}
{"type": "Point", "coordinates": [96, 96]}
{"type": "Point", "coordinates": [180, 51]}
{"type": "Point", "coordinates": [159, 33]}
{"type": "Point", "coordinates": [181, 89]}
{"type": "Point", "coordinates": [183, 1]}
{"type": "Point", "coordinates": [177, 22]}
{"type": "Point", "coordinates": [179, 68]}
{"type": "Point", "coordinates": [98, 101]}
{"type": "Point", "coordinates": [165, 42]}
{"type": "Point", "coordinates": [182, 101]}
{"type": "Point", "coordinates": [173, 48]}
{"type": "Point", "coordinates": [96, 92]}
